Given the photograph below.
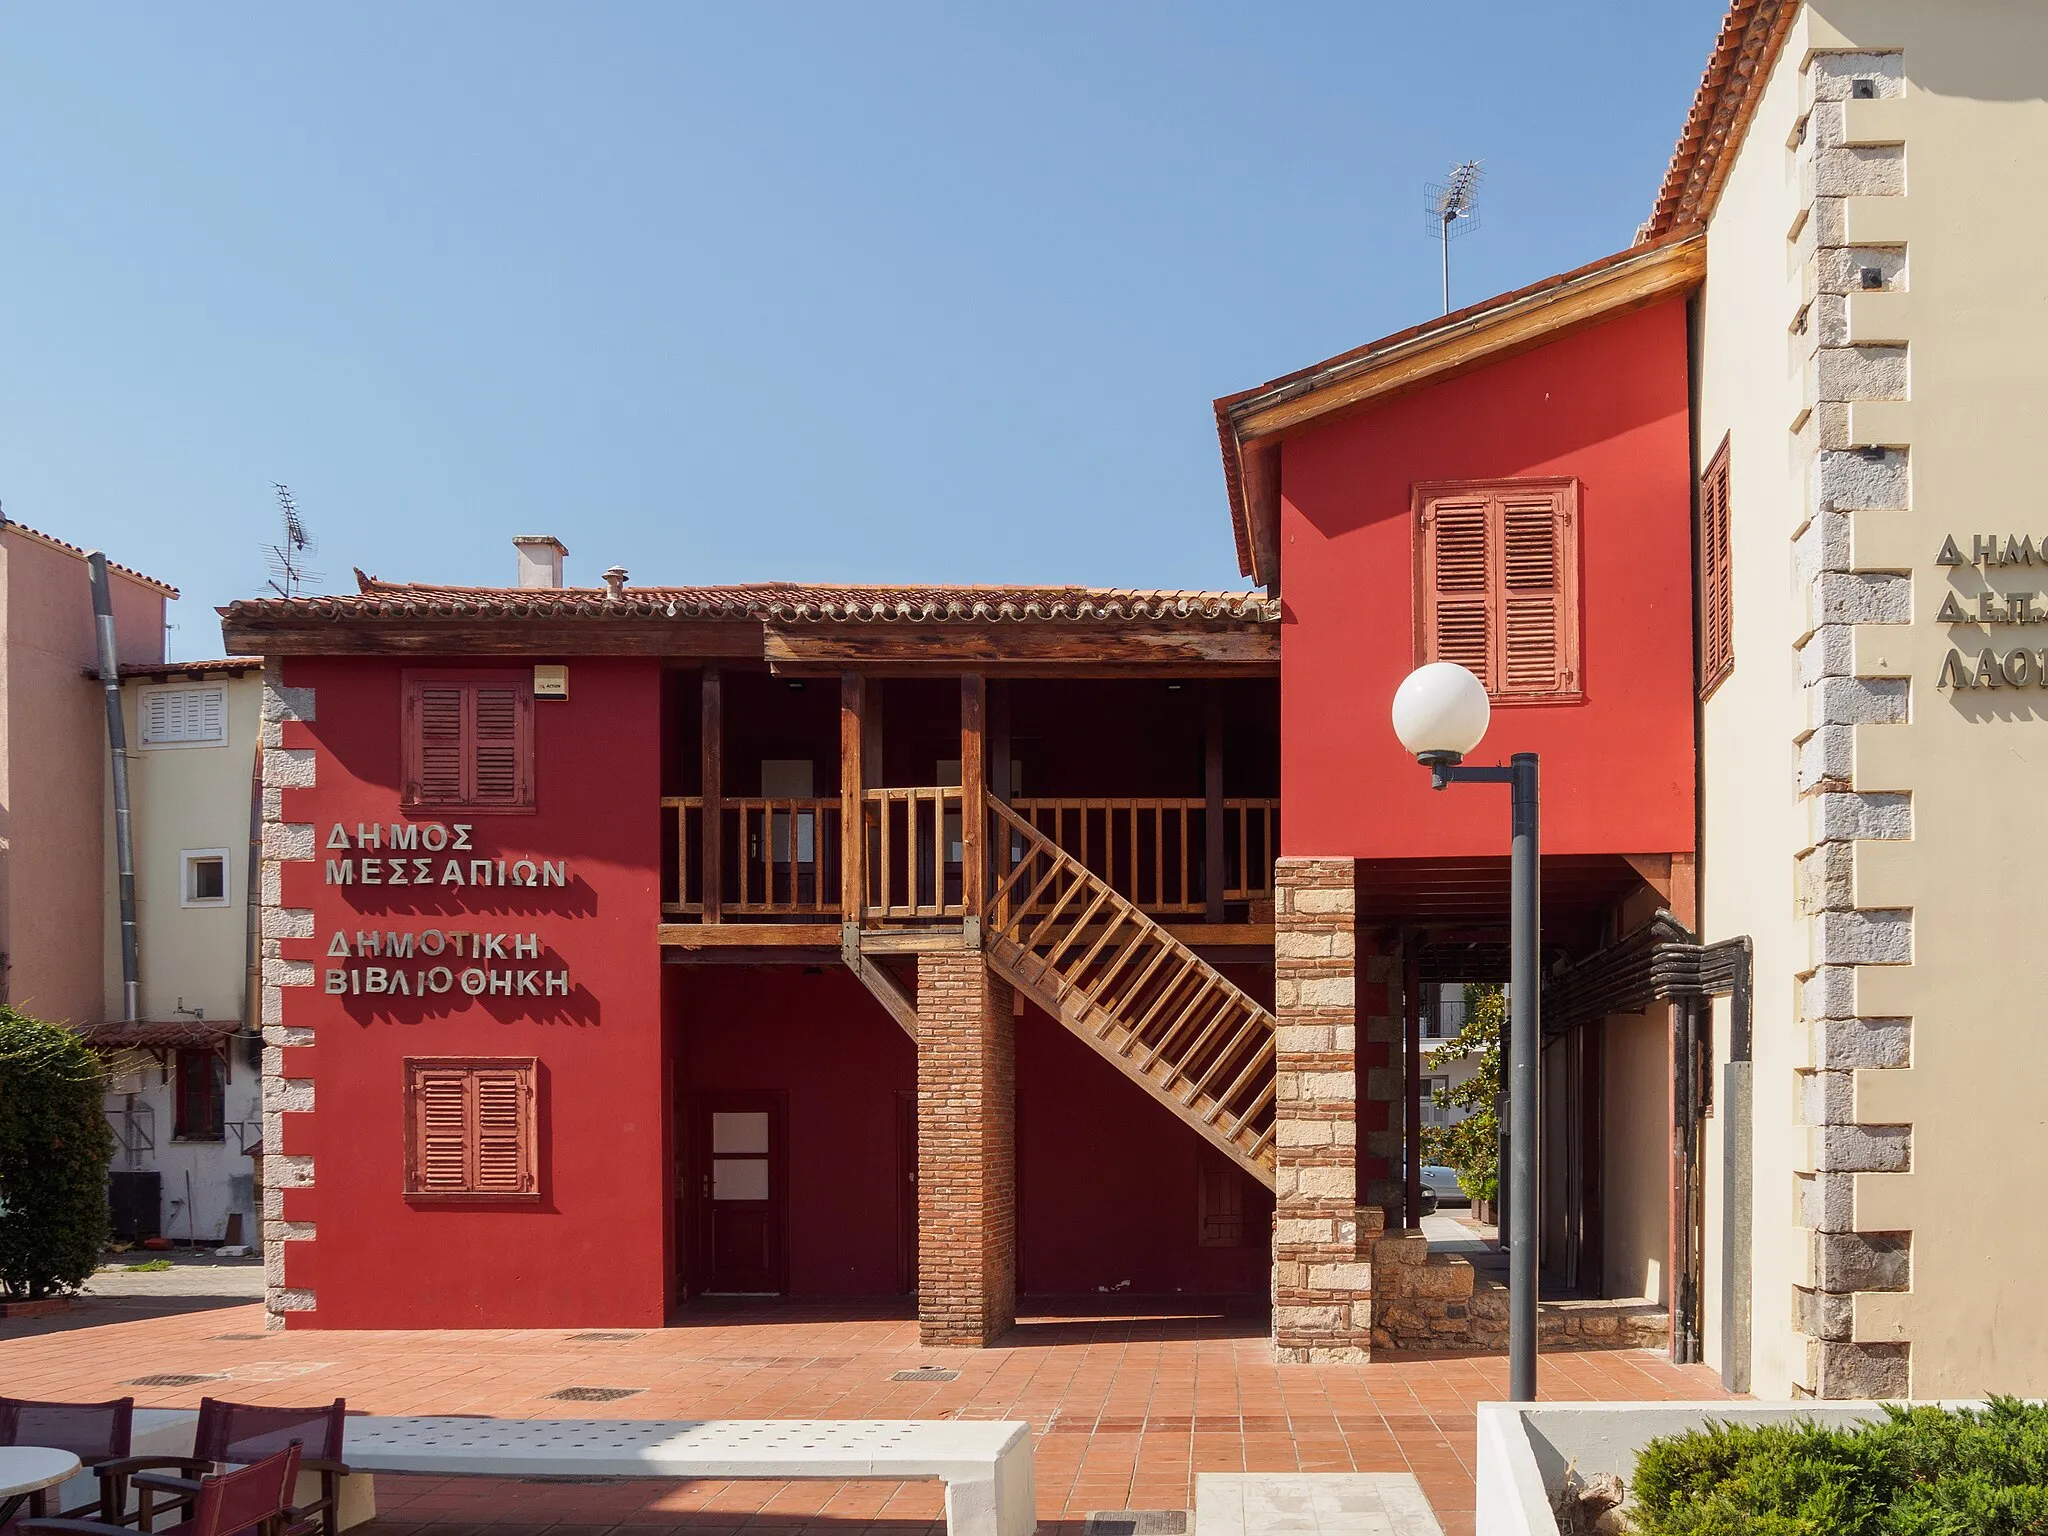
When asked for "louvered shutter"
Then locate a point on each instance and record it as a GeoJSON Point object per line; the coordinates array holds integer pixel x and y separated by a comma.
{"type": "Point", "coordinates": [1717, 594]}
{"type": "Point", "coordinates": [438, 712]}
{"type": "Point", "coordinates": [441, 1131]}
{"type": "Point", "coordinates": [497, 735]}
{"type": "Point", "coordinates": [501, 1122]}
{"type": "Point", "coordinates": [1458, 585]}
{"type": "Point", "coordinates": [1533, 598]}
{"type": "Point", "coordinates": [470, 1128]}
{"type": "Point", "coordinates": [468, 742]}
{"type": "Point", "coordinates": [1497, 584]}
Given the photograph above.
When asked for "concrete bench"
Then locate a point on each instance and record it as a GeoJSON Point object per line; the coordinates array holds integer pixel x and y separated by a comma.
{"type": "Point", "coordinates": [985, 1466]}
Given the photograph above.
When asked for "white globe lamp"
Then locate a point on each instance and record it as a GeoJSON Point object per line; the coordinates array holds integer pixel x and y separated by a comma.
{"type": "Point", "coordinates": [1440, 713]}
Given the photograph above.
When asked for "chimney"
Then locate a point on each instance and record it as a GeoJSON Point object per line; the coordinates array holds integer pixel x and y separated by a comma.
{"type": "Point", "coordinates": [615, 583]}
{"type": "Point", "coordinates": [540, 559]}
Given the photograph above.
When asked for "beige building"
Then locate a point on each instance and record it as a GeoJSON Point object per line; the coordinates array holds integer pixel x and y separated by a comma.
{"type": "Point", "coordinates": [53, 756]}
{"type": "Point", "coordinates": [184, 1094]}
{"type": "Point", "coordinates": [1869, 351]}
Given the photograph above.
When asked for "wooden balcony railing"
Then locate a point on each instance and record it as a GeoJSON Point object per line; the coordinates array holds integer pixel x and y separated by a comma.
{"type": "Point", "coordinates": [1154, 851]}
{"type": "Point", "coordinates": [777, 857]}
{"type": "Point", "coordinates": [782, 858]}
{"type": "Point", "coordinates": [914, 854]}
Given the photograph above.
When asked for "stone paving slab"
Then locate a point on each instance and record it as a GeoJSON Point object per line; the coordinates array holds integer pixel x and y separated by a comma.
{"type": "Point", "coordinates": [1128, 1402]}
{"type": "Point", "coordinates": [1316, 1503]}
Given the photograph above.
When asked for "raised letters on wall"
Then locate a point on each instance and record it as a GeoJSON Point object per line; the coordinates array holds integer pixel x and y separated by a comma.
{"type": "Point", "coordinates": [1970, 663]}
{"type": "Point", "coordinates": [456, 964]}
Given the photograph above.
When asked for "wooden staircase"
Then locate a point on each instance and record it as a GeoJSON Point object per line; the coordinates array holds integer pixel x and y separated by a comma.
{"type": "Point", "coordinates": [1151, 1006]}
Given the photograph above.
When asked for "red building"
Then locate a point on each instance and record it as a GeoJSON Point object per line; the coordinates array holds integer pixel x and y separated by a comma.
{"type": "Point", "coordinates": [630, 944]}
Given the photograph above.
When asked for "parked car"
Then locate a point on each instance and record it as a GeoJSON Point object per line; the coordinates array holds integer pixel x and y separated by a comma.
{"type": "Point", "coordinates": [1442, 1183]}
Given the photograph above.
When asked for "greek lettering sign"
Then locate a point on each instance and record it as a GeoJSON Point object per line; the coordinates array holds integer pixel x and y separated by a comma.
{"type": "Point", "coordinates": [456, 964]}
{"type": "Point", "coordinates": [1994, 666]}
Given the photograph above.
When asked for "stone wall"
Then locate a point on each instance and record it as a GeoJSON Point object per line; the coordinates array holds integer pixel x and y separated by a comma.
{"type": "Point", "coordinates": [1853, 469]}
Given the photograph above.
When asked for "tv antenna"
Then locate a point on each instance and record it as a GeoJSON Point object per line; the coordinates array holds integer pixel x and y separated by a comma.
{"type": "Point", "coordinates": [288, 571]}
{"type": "Point", "coordinates": [1449, 205]}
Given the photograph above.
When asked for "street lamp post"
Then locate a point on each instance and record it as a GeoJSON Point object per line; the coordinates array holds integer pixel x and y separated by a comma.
{"type": "Point", "coordinates": [1440, 714]}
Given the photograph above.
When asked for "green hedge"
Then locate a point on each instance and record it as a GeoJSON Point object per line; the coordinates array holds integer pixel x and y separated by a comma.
{"type": "Point", "coordinates": [54, 1151]}
{"type": "Point", "coordinates": [1916, 1472]}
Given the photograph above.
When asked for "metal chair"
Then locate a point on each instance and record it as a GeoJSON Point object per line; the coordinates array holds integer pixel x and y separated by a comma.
{"type": "Point", "coordinates": [255, 1499]}
{"type": "Point", "coordinates": [239, 1434]}
{"type": "Point", "coordinates": [96, 1433]}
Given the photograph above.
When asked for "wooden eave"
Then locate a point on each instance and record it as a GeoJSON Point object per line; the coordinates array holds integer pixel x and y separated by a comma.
{"type": "Point", "coordinates": [482, 636]}
{"type": "Point", "coordinates": [1036, 648]}
{"type": "Point", "coordinates": [1253, 424]}
{"type": "Point", "coordinates": [796, 650]}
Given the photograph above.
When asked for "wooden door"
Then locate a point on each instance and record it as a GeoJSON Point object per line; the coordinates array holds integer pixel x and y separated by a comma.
{"type": "Point", "coordinates": [742, 1200]}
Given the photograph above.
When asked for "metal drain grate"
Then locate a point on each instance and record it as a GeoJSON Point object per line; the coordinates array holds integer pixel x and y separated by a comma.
{"type": "Point", "coordinates": [927, 1373]}
{"type": "Point", "coordinates": [601, 1338]}
{"type": "Point", "coordinates": [242, 1336]}
{"type": "Point", "coordinates": [172, 1379]}
{"type": "Point", "coordinates": [1136, 1522]}
{"type": "Point", "coordinates": [594, 1394]}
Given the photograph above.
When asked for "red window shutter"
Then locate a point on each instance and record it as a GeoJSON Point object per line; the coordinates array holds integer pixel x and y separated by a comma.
{"type": "Point", "coordinates": [1497, 584]}
{"type": "Point", "coordinates": [1533, 595]}
{"type": "Point", "coordinates": [502, 1129]}
{"type": "Point", "coordinates": [1717, 587]}
{"type": "Point", "coordinates": [498, 732]}
{"type": "Point", "coordinates": [1458, 585]}
{"type": "Point", "coordinates": [470, 1131]}
{"type": "Point", "coordinates": [441, 1109]}
{"type": "Point", "coordinates": [438, 774]}
{"type": "Point", "coordinates": [468, 742]}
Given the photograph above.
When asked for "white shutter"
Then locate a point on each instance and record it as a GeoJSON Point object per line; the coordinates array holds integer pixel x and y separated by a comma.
{"type": "Point", "coordinates": [184, 716]}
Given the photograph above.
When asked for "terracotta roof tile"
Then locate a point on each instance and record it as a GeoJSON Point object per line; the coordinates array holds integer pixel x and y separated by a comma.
{"type": "Point", "coordinates": [15, 525]}
{"type": "Point", "coordinates": [1745, 50]}
{"type": "Point", "coordinates": [131, 1035]}
{"type": "Point", "coordinates": [768, 602]}
{"type": "Point", "coordinates": [152, 671]}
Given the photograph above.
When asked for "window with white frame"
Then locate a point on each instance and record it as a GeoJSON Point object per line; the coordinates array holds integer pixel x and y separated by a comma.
{"type": "Point", "coordinates": [1434, 1113]}
{"type": "Point", "coordinates": [203, 877]}
{"type": "Point", "coordinates": [184, 717]}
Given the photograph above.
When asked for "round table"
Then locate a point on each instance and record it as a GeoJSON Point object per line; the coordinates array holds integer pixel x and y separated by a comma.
{"type": "Point", "coordinates": [27, 1469]}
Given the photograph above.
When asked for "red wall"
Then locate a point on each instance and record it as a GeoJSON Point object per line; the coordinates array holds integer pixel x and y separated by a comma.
{"type": "Point", "coordinates": [594, 1251]}
{"type": "Point", "coordinates": [1607, 405]}
{"type": "Point", "coordinates": [1106, 1182]}
{"type": "Point", "coordinates": [814, 1034]}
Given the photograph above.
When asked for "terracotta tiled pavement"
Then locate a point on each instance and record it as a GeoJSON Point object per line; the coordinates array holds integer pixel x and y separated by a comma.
{"type": "Point", "coordinates": [1127, 1405]}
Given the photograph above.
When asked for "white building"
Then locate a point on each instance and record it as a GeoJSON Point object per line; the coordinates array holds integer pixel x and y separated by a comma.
{"type": "Point", "coordinates": [185, 1091]}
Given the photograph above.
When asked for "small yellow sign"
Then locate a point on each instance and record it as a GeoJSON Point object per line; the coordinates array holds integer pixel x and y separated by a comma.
{"type": "Point", "coordinates": [550, 682]}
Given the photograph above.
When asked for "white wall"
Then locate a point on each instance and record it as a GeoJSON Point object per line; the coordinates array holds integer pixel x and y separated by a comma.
{"type": "Point", "coordinates": [193, 958]}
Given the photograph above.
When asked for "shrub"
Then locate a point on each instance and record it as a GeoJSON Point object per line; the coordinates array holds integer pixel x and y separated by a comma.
{"type": "Point", "coordinates": [54, 1150]}
{"type": "Point", "coordinates": [1916, 1472]}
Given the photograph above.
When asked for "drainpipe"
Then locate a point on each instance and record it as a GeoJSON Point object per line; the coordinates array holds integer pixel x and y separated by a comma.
{"type": "Point", "coordinates": [117, 745]}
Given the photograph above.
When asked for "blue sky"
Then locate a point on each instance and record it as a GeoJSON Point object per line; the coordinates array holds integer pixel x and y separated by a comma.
{"type": "Point", "coordinates": [877, 292]}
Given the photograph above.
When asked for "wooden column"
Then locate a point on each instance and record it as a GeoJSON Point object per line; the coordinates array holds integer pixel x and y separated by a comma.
{"type": "Point", "coordinates": [1411, 991]}
{"type": "Point", "coordinates": [714, 795]}
{"type": "Point", "coordinates": [1212, 795]}
{"type": "Point", "coordinates": [973, 782]}
{"type": "Point", "coordinates": [853, 837]}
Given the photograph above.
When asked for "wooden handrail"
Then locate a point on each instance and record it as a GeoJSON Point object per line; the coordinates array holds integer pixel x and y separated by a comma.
{"type": "Point", "coordinates": [1151, 848]}
{"type": "Point", "coordinates": [777, 856]}
{"type": "Point", "coordinates": [912, 872]}
{"type": "Point", "coordinates": [1162, 1015]}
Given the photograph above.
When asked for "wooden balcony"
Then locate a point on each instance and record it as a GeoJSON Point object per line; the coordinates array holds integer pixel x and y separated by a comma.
{"type": "Point", "coordinates": [784, 859]}
{"type": "Point", "coordinates": [900, 864]}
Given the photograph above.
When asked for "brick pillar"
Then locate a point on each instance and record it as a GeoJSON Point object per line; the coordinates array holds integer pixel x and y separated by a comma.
{"type": "Point", "coordinates": [966, 1151]}
{"type": "Point", "coordinates": [1322, 1290]}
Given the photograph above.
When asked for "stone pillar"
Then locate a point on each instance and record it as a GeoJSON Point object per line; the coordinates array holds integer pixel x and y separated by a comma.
{"type": "Point", "coordinates": [966, 1151]}
{"type": "Point", "coordinates": [1322, 1290]}
{"type": "Point", "coordinates": [1849, 380]}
